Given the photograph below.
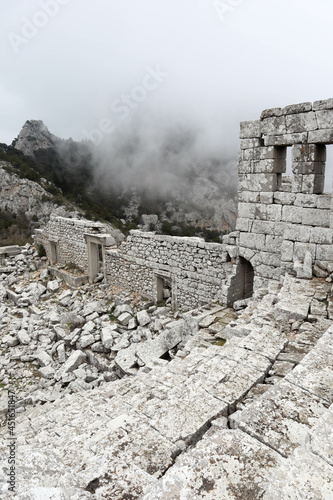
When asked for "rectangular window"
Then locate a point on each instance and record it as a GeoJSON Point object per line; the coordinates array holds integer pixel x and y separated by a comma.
{"type": "Point", "coordinates": [328, 186]}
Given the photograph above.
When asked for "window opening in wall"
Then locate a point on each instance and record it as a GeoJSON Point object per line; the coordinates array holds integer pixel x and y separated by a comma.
{"type": "Point", "coordinates": [289, 161]}
{"type": "Point", "coordinates": [328, 186]}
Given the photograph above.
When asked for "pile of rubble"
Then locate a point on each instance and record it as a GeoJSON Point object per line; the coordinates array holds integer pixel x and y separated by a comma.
{"type": "Point", "coordinates": [55, 340]}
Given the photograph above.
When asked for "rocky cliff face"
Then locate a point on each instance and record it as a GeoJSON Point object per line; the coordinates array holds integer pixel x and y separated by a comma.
{"type": "Point", "coordinates": [33, 136]}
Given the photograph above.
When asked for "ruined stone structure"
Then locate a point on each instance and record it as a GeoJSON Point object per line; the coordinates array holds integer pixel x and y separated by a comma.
{"type": "Point", "coordinates": [285, 223]}
{"type": "Point", "coordinates": [78, 242]}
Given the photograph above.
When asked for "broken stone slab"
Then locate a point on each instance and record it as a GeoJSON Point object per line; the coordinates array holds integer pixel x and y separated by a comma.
{"type": "Point", "coordinates": [320, 441]}
{"type": "Point", "coordinates": [143, 318]}
{"type": "Point", "coordinates": [315, 373]}
{"type": "Point", "coordinates": [125, 308]}
{"type": "Point", "coordinates": [74, 361]}
{"type": "Point", "coordinates": [281, 417]}
{"type": "Point", "coordinates": [224, 465]}
{"type": "Point", "coordinates": [92, 307]}
{"type": "Point", "coordinates": [124, 318]}
{"type": "Point", "coordinates": [207, 321]}
{"type": "Point", "coordinates": [291, 308]}
{"type": "Point", "coordinates": [126, 360]}
{"type": "Point", "coordinates": [85, 341]}
{"type": "Point", "coordinates": [107, 336]}
{"type": "Point", "coordinates": [154, 349]}
{"type": "Point", "coordinates": [302, 476]}
{"type": "Point", "coordinates": [53, 286]}
{"type": "Point", "coordinates": [46, 372]}
{"type": "Point", "coordinates": [43, 358]}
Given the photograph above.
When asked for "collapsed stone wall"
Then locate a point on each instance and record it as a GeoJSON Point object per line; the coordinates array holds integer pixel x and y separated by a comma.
{"type": "Point", "coordinates": [65, 242]}
{"type": "Point", "coordinates": [194, 268]}
{"type": "Point", "coordinates": [285, 222]}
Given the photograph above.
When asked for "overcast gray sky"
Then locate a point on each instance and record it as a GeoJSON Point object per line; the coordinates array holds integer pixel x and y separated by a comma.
{"type": "Point", "coordinates": [73, 63]}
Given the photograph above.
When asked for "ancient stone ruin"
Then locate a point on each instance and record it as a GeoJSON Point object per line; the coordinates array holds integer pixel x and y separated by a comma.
{"type": "Point", "coordinates": [248, 415]}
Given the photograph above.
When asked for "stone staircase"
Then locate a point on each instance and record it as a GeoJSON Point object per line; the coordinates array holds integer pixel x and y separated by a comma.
{"type": "Point", "coordinates": [215, 422]}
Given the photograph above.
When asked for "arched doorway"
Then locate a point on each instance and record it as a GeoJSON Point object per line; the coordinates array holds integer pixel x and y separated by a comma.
{"type": "Point", "coordinates": [241, 282]}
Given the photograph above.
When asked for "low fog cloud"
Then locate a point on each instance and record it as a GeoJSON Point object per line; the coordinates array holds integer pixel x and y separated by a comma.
{"type": "Point", "coordinates": [160, 156]}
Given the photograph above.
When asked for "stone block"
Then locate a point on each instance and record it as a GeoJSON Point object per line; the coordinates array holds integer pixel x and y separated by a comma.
{"type": "Point", "coordinates": [251, 462]}
{"type": "Point", "coordinates": [315, 217]}
{"type": "Point", "coordinates": [143, 318]}
{"type": "Point", "coordinates": [284, 198]}
{"type": "Point", "coordinates": [266, 198]}
{"type": "Point", "coordinates": [320, 137]}
{"type": "Point", "coordinates": [297, 233]}
{"type": "Point", "coordinates": [281, 418]}
{"type": "Point", "coordinates": [273, 244]}
{"type": "Point", "coordinates": [250, 143]}
{"type": "Point", "coordinates": [258, 182]}
{"type": "Point", "coordinates": [301, 122]}
{"type": "Point", "coordinates": [321, 235]}
{"type": "Point", "coordinates": [287, 251]}
{"type": "Point", "coordinates": [292, 109]}
{"type": "Point", "coordinates": [274, 125]}
{"type": "Point", "coordinates": [325, 118]}
{"type": "Point", "coordinates": [302, 476]}
{"type": "Point", "coordinates": [253, 241]}
{"type": "Point", "coordinates": [248, 197]}
{"type": "Point", "coordinates": [300, 250]}
{"type": "Point", "coordinates": [324, 201]}
{"type": "Point", "coordinates": [286, 139]}
{"type": "Point", "coordinates": [313, 183]}
{"type": "Point", "coordinates": [309, 152]}
{"type": "Point", "coordinates": [274, 212]}
{"type": "Point", "coordinates": [323, 104]}
{"type": "Point", "coordinates": [308, 167]}
{"type": "Point", "coordinates": [272, 166]}
{"type": "Point", "coordinates": [74, 361]}
{"type": "Point", "coordinates": [325, 252]}
{"type": "Point", "coordinates": [267, 113]}
{"type": "Point", "coordinates": [246, 210]}
{"type": "Point", "coordinates": [245, 167]}
{"type": "Point", "coordinates": [43, 358]}
{"type": "Point", "coordinates": [292, 214]}
{"type": "Point", "coordinates": [243, 224]}
{"type": "Point", "coordinates": [306, 200]}
{"type": "Point", "coordinates": [263, 227]}
{"type": "Point", "coordinates": [250, 129]}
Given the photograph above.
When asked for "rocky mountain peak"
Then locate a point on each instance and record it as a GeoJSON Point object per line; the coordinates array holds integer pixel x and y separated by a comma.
{"type": "Point", "coordinates": [33, 136]}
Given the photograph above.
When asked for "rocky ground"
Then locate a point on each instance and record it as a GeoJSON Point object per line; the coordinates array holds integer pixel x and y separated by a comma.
{"type": "Point", "coordinates": [120, 399]}
{"type": "Point", "coordinates": [55, 340]}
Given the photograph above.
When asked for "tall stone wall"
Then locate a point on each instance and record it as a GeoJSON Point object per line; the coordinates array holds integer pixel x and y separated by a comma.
{"type": "Point", "coordinates": [194, 268]}
{"type": "Point", "coordinates": [285, 222]}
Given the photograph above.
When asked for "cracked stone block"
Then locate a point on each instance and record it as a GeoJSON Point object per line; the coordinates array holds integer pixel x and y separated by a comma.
{"type": "Point", "coordinates": [282, 417]}
{"type": "Point", "coordinates": [302, 476]}
{"type": "Point", "coordinates": [224, 465]}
